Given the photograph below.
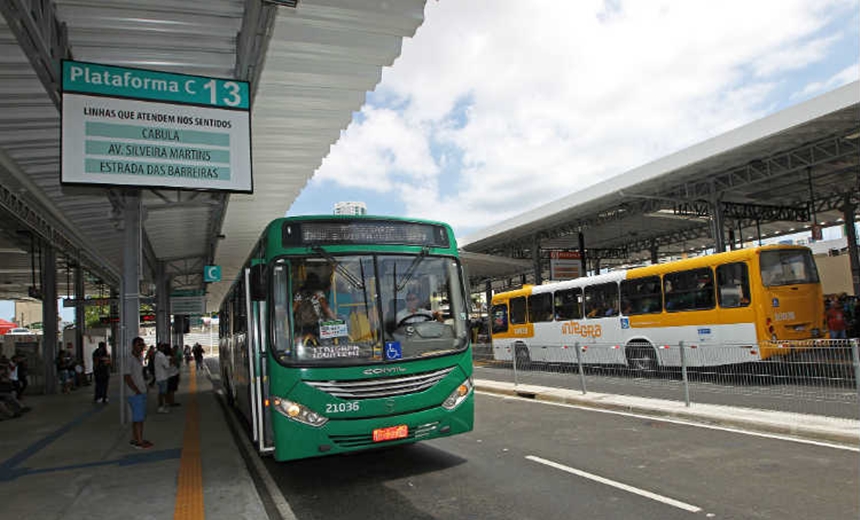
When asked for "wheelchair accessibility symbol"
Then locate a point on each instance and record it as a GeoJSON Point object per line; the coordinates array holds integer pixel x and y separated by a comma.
{"type": "Point", "coordinates": [393, 350]}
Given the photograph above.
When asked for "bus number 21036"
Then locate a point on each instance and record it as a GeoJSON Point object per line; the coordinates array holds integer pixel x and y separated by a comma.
{"type": "Point", "coordinates": [341, 407]}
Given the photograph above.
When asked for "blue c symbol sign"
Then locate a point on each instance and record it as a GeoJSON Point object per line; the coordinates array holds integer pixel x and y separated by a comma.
{"type": "Point", "coordinates": [212, 273]}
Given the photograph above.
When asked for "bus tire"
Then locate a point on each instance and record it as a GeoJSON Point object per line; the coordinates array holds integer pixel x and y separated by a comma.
{"type": "Point", "coordinates": [523, 359]}
{"type": "Point", "coordinates": [642, 358]}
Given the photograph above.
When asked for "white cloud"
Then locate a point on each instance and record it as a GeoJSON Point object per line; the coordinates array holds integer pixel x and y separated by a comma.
{"type": "Point", "coordinates": [373, 154]}
{"type": "Point", "coordinates": [843, 77]}
{"type": "Point", "coordinates": [562, 95]}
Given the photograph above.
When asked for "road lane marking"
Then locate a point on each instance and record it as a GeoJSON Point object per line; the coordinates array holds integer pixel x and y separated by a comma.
{"type": "Point", "coordinates": [189, 489]}
{"type": "Point", "coordinates": [624, 487]}
{"type": "Point", "coordinates": [682, 422]}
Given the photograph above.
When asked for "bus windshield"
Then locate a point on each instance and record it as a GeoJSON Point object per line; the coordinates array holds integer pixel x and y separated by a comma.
{"type": "Point", "coordinates": [788, 267]}
{"type": "Point", "coordinates": [359, 309]}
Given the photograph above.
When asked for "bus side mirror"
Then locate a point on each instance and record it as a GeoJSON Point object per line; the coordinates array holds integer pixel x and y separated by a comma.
{"type": "Point", "coordinates": [257, 282]}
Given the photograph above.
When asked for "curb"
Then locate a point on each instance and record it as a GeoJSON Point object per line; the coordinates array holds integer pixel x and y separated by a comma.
{"type": "Point", "coordinates": [701, 417]}
{"type": "Point", "coordinates": [270, 495]}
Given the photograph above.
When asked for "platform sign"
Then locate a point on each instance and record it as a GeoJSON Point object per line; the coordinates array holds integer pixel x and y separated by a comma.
{"type": "Point", "coordinates": [564, 265]}
{"type": "Point", "coordinates": [212, 273]}
{"type": "Point", "coordinates": [136, 127]}
{"type": "Point", "coordinates": [190, 305]}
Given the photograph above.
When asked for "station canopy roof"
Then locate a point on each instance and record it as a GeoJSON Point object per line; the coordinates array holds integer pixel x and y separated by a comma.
{"type": "Point", "coordinates": [310, 66]}
{"type": "Point", "coordinates": [775, 174]}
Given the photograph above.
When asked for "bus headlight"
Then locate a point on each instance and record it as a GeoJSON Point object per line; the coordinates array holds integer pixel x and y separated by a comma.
{"type": "Point", "coordinates": [458, 395]}
{"type": "Point", "coordinates": [298, 412]}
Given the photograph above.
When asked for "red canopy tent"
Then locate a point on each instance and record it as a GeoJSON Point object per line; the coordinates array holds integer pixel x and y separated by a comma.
{"type": "Point", "coordinates": [6, 326]}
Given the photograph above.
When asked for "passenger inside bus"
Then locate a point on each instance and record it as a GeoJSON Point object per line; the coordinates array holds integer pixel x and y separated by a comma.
{"type": "Point", "coordinates": [310, 306]}
{"type": "Point", "coordinates": [626, 308]}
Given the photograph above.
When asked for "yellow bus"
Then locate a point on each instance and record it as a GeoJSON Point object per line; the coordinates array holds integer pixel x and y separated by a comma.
{"type": "Point", "coordinates": [727, 308]}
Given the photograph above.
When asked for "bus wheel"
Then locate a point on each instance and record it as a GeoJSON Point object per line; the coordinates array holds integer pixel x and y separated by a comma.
{"type": "Point", "coordinates": [524, 361]}
{"type": "Point", "coordinates": [642, 358]}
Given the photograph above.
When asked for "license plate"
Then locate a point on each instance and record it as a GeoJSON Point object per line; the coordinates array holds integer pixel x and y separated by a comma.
{"type": "Point", "coordinates": [391, 433]}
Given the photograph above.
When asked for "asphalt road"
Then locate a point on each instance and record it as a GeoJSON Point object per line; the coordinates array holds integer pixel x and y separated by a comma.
{"type": "Point", "coordinates": [531, 460]}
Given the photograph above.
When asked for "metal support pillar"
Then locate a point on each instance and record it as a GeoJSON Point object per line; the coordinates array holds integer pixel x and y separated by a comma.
{"type": "Point", "coordinates": [114, 329]}
{"type": "Point", "coordinates": [717, 226]}
{"type": "Point", "coordinates": [583, 264]}
{"type": "Point", "coordinates": [758, 230]}
{"type": "Point", "coordinates": [130, 289]}
{"type": "Point", "coordinates": [80, 318]}
{"type": "Point", "coordinates": [50, 345]}
{"type": "Point", "coordinates": [655, 251]}
{"type": "Point", "coordinates": [162, 304]}
{"type": "Point", "coordinates": [740, 235]}
{"type": "Point", "coordinates": [536, 260]}
{"type": "Point", "coordinates": [488, 295]}
{"type": "Point", "coordinates": [178, 332]}
{"type": "Point", "coordinates": [848, 211]}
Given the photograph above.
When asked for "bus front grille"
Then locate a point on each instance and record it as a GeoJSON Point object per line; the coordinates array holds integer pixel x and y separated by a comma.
{"type": "Point", "coordinates": [416, 433]}
{"type": "Point", "coordinates": [382, 387]}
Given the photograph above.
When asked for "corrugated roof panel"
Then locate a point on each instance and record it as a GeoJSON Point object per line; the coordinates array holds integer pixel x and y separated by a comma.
{"type": "Point", "coordinates": [323, 58]}
{"type": "Point", "coordinates": [321, 61]}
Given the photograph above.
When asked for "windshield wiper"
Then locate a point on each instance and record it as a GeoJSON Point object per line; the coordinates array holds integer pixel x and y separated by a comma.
{"type": "Point", "coordinates": [411, 269]}
{"type": "Point", "coordinates": [340, 268]}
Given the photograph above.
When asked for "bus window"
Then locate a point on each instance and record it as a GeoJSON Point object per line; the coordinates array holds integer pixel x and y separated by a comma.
{"type": "Point", "coordinates": [601, 300]}
{"type": "Point", "coordinates": [281, 308]}
{"type": "Point", "coordinates": [787, 267]}
{"type": "Point", "coordinates": [518, 310]}
{"type": "Point", "coordinates": [500, 318]}
{"type": "Point", "coordinates": [567, 304]}
{"type": "Point", "coordinates": [689, 290]}
{"type": "Point", "coordinates": [240, 319]}
{"type": "Point", "coordinates": [734, 285]}
{"type": "Point", "coordinates": [641, 296]}
{"type": "Point", "coordinates": [540, 307]}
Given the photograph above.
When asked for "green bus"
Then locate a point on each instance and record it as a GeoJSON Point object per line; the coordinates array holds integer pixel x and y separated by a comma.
{"type": "Point", "coordinates": [343, 333]}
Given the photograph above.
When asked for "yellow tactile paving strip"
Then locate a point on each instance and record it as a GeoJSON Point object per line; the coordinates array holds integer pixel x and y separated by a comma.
{"type": "Point", "coordinates": [189, 489]}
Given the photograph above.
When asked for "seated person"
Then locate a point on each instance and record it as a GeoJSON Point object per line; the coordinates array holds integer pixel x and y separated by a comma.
{"type": "Point", "coordinates": [596, 312]}
{"type": "Point", "coordinates": [10, 406]}
{"type": "Point", "coordinates": [626, 308]}
{"type": "Point", "coordinates": [413, 313]}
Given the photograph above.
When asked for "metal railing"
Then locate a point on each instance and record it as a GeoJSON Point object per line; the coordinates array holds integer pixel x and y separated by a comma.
{"type": "Point", "coordinates": [807, 377]}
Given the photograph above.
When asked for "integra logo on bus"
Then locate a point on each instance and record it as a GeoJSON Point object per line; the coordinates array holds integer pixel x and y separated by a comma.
{"type": "Point", "coordinates": [586, 331]}
{"type": "Point", "coordinates": [384, 371]}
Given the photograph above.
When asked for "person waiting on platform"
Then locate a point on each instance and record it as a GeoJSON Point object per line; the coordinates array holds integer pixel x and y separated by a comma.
{"type": "Point", "coordinates": [101, 372]}
{"type": "Point", "coordinates": [414, 312]}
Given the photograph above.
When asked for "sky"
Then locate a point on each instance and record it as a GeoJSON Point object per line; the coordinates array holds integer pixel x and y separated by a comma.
{"type": "Point", "coordinates": [7, 311]}
{"type": "Point", "coordinates": [496, 107]}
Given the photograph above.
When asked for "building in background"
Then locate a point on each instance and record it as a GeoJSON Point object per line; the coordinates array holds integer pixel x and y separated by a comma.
{"type": "Point", "coordinates": [28, 312]}
{"type": "Point", "coordinates": [350, 208]}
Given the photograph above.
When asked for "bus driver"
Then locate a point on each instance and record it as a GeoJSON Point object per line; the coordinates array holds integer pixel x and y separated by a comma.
{"type": "Point", "coordinates": [413, 313]}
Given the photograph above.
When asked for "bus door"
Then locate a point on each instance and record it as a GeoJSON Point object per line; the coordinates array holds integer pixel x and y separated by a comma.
{"type": "Point", "coordinates": [261, 422]}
